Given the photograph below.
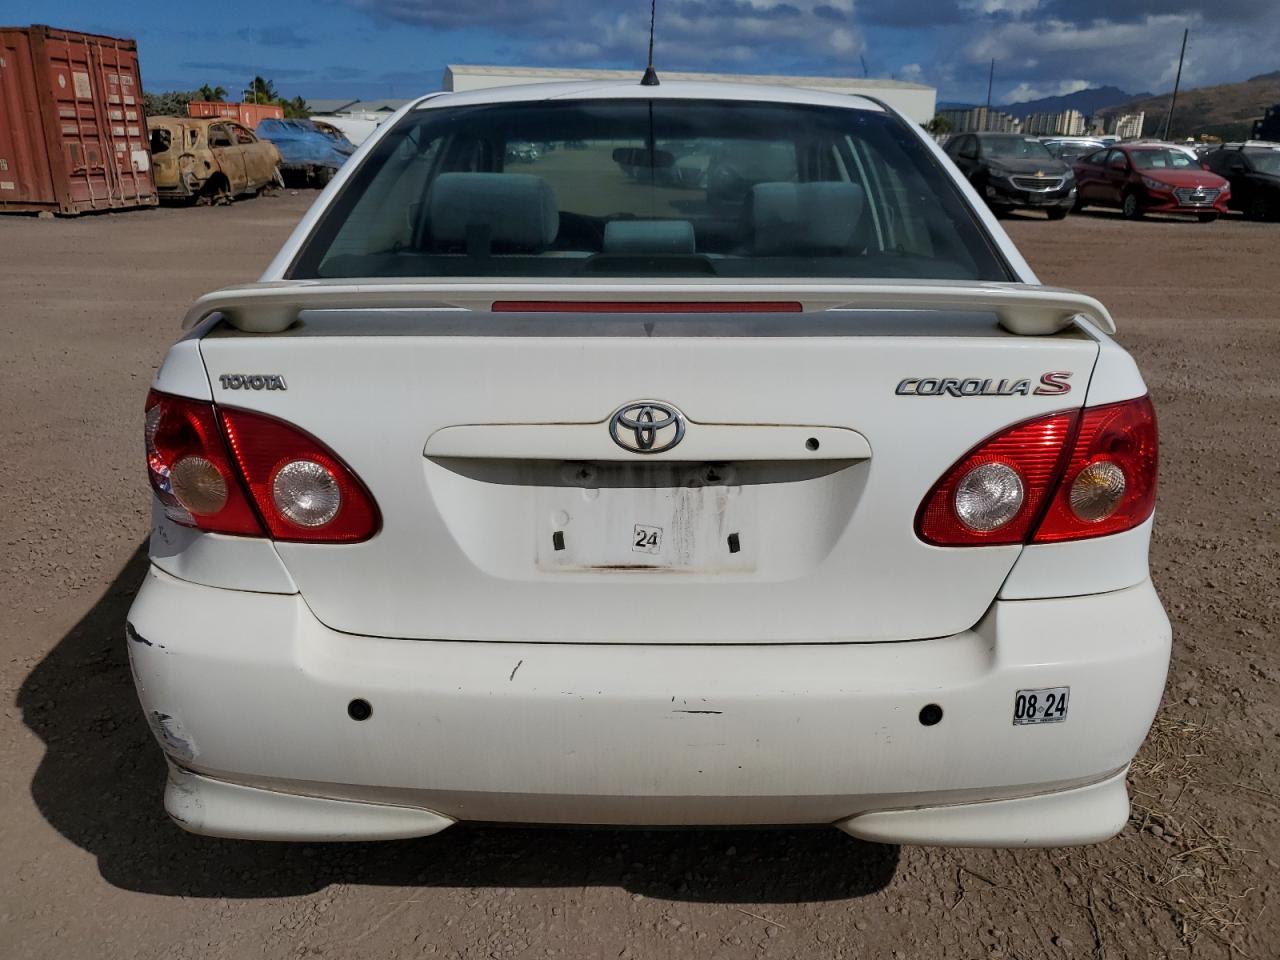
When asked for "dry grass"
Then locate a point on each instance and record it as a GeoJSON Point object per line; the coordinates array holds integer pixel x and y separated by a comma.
{"type": "Point", "coordinates": [1177, 864]}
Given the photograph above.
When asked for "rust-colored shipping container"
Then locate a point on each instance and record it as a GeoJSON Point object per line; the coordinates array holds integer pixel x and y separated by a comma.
{"type": "Point", "coordinates": [73, 134]}
{"type": "Point", "coordinates": [246, 113]}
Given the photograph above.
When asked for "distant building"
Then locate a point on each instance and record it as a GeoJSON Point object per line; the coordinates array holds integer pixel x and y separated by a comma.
{"type": "Point", "coordinates": [1069, 123]}
{"type": "Point", "coordinates": [915, 100]}
{"type": "Point", "coordinates": [979, 119]}
{"type": "Point", "coordinates": [1127, 126]}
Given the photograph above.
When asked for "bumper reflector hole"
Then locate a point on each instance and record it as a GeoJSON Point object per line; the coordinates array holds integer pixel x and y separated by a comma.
{"type": "Point", "coordinates": [812, 443]}
{"type": "Point", "coordinates": [734, 543]}
{"type": "Point", "coordinates": [557, 540]}
{"type": "Point", "coordinates": [930, 714]}
{"type": "Point", "coordinates": [359, 709]}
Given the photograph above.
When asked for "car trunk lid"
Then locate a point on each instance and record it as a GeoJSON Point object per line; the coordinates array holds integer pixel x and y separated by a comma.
{"type": "Point", "coordinates": [784, 514]}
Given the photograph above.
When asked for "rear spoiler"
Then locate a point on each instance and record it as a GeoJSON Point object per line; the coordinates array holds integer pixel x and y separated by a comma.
{"type": "Point", "coordinates": [274, 306]}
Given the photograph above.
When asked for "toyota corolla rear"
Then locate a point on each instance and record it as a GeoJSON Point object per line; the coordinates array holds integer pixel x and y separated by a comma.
{"type": "Point", "coordinates": [723, 463]}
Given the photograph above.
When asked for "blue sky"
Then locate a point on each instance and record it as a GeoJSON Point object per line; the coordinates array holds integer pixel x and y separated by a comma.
{"type": "Point", "coordinates": [385, 48]}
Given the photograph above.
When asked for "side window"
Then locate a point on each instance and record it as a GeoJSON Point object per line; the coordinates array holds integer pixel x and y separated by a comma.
{"type": "Point", "coordinates": [1098, 158]}
{"type": "Point", "coordinates": [1115, 155]}
{"type": "Point", "coordinates": [219, 136]}
{"type": "Point", "coordinates": [243, 135]}
{"type": "Point", "coordinates": [969, 148]}
{"type": "Point", "coordinates": [161, 139]}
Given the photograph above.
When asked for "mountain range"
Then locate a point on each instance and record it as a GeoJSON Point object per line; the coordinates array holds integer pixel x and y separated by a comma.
{"type": "Point", "coordinates": [1225, 110]}
{"type": "Point", "coordinates": [1087, 102]}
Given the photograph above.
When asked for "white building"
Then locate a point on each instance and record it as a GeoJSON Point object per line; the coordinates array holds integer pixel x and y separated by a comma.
{"type": "Point", "coordinates": [1068, 123]}
{"type": "Point", "coordinates": [915, 100]}
{"type": "Point", "coordinates": [1127, 126]}
{"type": "Point", "coordinates": [981, 119]}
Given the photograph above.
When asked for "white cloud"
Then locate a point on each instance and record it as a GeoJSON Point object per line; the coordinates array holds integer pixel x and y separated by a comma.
{"type": "Point", "coordinates": [1027, 91]}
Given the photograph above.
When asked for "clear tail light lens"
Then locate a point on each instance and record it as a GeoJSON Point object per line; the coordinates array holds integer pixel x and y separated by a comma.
{"type": "Point", "coordinates": [1110, 480]}
{"type": "Point", "coordinates": [190, 469]}
{"type": "Point", "coordinates": [304, 492]}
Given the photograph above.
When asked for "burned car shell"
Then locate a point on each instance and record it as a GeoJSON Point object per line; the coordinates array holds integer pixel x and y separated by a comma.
{"type": "Point", "coordinates": [198, 157]}
{"type": "Point", "coordinates": [307, 149]}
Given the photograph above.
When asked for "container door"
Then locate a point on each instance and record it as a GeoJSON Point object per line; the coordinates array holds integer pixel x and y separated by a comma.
{"type": "Point", "coordinates": [25, 181]}
{"type": "Point", "coordinates": [118, 70]}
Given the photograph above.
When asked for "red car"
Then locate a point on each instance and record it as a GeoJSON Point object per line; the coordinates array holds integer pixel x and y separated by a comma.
{"type": "Point", "coordinates": [1141, 179]}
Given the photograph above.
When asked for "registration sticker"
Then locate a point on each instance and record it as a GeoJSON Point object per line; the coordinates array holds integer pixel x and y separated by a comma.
{"type": "Point", "coordinates": [1045, 705]}
{"type": "Point", "coordinates": [646, 539]}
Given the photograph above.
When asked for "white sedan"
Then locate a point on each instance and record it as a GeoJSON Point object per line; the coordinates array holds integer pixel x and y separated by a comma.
{"type": "Point", "coordinates": [580, 491]}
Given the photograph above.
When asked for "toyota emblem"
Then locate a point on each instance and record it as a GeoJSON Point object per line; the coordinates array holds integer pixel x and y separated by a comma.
{"type": "Point", "coordinates": [647, 426]}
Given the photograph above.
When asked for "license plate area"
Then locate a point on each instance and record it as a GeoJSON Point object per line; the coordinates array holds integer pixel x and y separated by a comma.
{"type": "Point", "coordinates": [665, 517]}
{"type": "Point", "coordinates": [1041, 705]}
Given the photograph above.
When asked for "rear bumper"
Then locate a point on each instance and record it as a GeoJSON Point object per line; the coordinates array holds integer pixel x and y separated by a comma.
{"type": "Point", "coordinates": [248, 695]}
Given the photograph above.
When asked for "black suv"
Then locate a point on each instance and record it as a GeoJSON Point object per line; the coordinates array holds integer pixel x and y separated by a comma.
{"type": "Point", "coordinates": [1254, 174]}
{"type": "Point", "coordinates": [1011, 171]}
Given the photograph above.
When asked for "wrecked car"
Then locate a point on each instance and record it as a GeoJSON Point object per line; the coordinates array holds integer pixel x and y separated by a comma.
{"type": "Point", "coordinates": [311, 154]}
{"type": "Point", "coordinates": [209, 159]}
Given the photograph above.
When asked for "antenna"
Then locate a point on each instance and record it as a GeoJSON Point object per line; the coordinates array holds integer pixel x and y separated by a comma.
{"type": "Point", "coordinates": [1173, 102]}
{"type": "Point", "coordinates": [650, 78]}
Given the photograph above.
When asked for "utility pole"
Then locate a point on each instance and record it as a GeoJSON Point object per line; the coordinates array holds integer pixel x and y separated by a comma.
{"type": "Point", "coordinates": [1173, 101]}
{"type": "Point", "coordinates": [865, 72]}
{"type": "Point", "coordinates": [991, 77]}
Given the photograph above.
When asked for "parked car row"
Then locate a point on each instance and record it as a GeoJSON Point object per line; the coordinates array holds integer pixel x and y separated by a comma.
{"type": "Point", "coordinates": [214, 160]}
{"type": "Point", "coordinates": [1016, 172]}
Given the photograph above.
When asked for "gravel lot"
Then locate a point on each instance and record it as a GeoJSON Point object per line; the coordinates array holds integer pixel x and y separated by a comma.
{"type": "Point", "coordinates": [93, 869]}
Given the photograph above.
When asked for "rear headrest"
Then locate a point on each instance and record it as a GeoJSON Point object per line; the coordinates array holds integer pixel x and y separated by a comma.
{"type": "Point", "coordinates": [795, 217]}
{"type": "Point", "coordinates": [648, 236]}
{"type": "Point", "coordinates": [511, 211]}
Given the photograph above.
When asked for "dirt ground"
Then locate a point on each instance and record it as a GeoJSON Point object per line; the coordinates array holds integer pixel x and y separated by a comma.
{"type": "Point", "coordinates": [91, 868]}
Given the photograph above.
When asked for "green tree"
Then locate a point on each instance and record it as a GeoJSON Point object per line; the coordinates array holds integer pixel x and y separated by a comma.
{"type": "Point", "coordinates": [214, 94]}
{"type": "Point", "coordinates": [172, 103]}
{"type": "Point", "coordinates": [260, 91]}
{"type": "Point", "coordinates": [297, 107]}
{"type": "Point", "coordinates": [939, 124]}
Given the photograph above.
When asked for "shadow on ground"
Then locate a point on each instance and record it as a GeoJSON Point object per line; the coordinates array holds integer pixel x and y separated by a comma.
{"type": "Point", "coordinates": [99, 784]}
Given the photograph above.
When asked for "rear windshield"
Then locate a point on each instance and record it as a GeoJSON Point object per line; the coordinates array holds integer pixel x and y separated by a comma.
{"type": "Point", "coordinates": [667, 188]}
{"type": "Point", "coordinates": [1015, 147]}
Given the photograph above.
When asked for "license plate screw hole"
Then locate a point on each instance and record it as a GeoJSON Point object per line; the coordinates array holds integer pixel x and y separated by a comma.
{"type": "Point", "coordinates": [930, 714]}
{"type": "Point", "coordinates": [734, 543]}
{"type": "Point", "coordinates": [812, 444]}
{"type": "Point", "coordinates": [359, 709]}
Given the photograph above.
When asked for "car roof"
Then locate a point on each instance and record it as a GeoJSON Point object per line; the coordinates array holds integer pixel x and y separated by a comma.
{"type": "Point", "coordinates": [669, 90]}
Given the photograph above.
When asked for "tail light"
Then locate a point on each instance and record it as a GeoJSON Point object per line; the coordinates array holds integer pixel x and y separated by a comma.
{"type": "Point", "coordinates": [190, 469]}
{"type": "Point", "coordinates": [1065, 476]}
{"type": "Point", "coordinates": [231, 471]}
{"type": "Point", "coordinates": [1109, 484]}
{"type": "Point", "coordinates": [303, 491]}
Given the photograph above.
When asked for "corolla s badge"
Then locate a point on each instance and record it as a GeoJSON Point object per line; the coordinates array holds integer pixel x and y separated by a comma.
{"type": "Point", "coordinates": [647, 426]}
{"type": "Point", "coordinates": [1051, 384]}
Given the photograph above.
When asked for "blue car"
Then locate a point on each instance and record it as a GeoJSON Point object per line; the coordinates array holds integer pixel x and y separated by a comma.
{"type": "Point", "coordinates": [309, 153]}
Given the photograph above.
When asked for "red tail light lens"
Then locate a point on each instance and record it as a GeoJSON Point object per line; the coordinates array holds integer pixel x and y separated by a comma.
{"type": "Point", "coordinates": [994, 493]}
{"type": "Point", "coordinates": [303, 491]}
{"type": "Point", "coordinates": [1110, 481]}
{"type": "Point", "coordinates": [1065, 476]}
{"type": "Point", "coordinates": [190, 469]}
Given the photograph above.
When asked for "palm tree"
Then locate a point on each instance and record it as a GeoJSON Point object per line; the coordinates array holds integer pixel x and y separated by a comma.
{"type": "Point", "coordinates": [213, 94]}
{"type": "Point", "coordinates": [260, 91]}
